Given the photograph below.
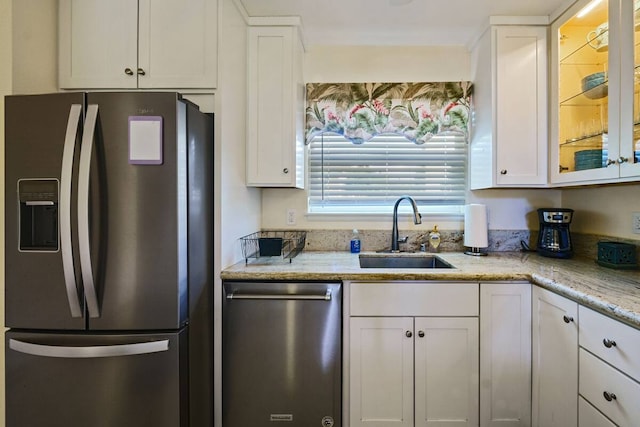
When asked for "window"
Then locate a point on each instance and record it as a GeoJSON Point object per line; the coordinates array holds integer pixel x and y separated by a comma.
{"type": "Point", "coordinates": [365, 154]}
{"type": "Point", "coordinates": [345, 177]}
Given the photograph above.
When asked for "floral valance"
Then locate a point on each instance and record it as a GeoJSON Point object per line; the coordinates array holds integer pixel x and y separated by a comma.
{"type": "Point", "coordinates": [360, 111]}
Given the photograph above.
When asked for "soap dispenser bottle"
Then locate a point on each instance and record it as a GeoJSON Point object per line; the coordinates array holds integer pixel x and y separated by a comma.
{"type": "Point", "coordinates": [434, 239]}
{"type": "Point", "coordinates": [355, 242]}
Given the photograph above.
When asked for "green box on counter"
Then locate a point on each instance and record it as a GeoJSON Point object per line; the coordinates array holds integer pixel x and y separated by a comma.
{"type": "Point", "coordinates": [617, 255]}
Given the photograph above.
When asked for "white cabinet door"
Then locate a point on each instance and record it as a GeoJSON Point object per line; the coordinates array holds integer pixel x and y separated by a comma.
{"type": "Point", "coordinates": [446, 372]}
{"type": "Point", "coordinates": [505, 354]}
{"type": "Point", "coordinates": [555, 360]}
{"type": "Point", "coordinates": [178, 44]}
{"type": "Point", "coordinates": [381, 371]}
{"type": "Point", "coordinates": [521, 105]}
{"type": "Point", "coordinates": [275, 109]}
{"type": "Point", "coordinates": [98, 44]}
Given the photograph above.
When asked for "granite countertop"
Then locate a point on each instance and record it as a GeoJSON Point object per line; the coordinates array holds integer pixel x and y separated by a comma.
{"type": "Point", "coordinates": [613, 292]}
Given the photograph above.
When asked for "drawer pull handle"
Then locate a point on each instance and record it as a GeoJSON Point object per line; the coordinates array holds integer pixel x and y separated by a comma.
{"type": "Point", "coordinates": [567, 319]}
{"type": "Point", "coordinates": [608, 343]}
{"type": "Point", "coordinates": [609, 396]}
{"type": "Point", "coordinates": [408, 334]}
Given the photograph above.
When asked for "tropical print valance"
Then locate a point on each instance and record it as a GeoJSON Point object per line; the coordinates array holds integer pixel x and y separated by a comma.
{"type": "Point", "coordinates": [360, 111]}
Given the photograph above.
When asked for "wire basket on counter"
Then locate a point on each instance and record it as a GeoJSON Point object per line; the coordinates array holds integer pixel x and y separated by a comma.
{"type": "Point", "coordinates": [285, 244]}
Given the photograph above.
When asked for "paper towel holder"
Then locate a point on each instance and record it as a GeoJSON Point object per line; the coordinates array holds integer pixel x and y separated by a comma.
{"type": "Point", "coordinates": [475, 229]}
{"type": "Point", "coordinates": [475, 252]}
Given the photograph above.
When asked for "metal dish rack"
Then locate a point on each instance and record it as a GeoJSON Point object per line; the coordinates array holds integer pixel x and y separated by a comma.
{"type": "Point", "coordinates": [263, 244]}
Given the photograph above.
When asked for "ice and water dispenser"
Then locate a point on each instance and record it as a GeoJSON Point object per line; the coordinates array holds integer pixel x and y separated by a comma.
{"type": "Point", "coordinates": [38, 199]}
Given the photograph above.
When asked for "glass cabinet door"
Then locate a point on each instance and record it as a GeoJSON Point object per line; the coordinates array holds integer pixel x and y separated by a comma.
{"type": "Point", "coordinates": [583, 89]}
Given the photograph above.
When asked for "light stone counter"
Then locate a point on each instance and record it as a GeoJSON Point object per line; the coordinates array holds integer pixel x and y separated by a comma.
{"type": "Point", "coordinates": [613, 292]}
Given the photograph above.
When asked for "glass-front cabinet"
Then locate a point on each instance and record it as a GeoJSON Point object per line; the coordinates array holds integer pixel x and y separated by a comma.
{"type": "Point", "coordinates": [595, 97]}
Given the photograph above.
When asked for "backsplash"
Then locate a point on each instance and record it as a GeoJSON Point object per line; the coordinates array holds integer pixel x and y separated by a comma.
{"type": "Point", "coordinates": [378, 240]}
{"type": "Point", "coordinates": [451, 241]}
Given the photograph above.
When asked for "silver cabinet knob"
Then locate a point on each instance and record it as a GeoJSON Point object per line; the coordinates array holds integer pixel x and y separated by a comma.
{"type": "Point", "coordinates": [610, 162]}
{"type": "Point", "coordinates": [608, 343]}
{"type": "Point", "coordinates": [408, 334]}
{"type": "Point", "coordinates": [128, 71]}
{"type": "Point", "coordinates": [141, 72]}
{"type": "Point", "coordinates": [421, 334]}
{"type": "Point", "coordinates": [609, 396]}
{"type": "Point", "coordinates": [503, 172]}
{"type": "Point", "coordinates": [622, 160]}
{"type": "Point", "coordinates": [567, 319]}
{"type": "Point", "coordinates": [285, 170]}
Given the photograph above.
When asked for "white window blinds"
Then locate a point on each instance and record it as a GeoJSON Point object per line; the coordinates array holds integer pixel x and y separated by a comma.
{"type": "Point", "coordinates": [346, 177]}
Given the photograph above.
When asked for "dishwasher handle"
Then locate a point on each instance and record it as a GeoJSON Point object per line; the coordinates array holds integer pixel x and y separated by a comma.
{"type": "Point", "coordinates": [323, 297]}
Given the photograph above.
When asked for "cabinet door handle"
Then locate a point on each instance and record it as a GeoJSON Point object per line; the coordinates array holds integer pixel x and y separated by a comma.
{"type": "Point", "coordinates": [609, 396]}
{"type": "Point", "coordinates": [408, 334]}
{"type": "Point", "coordinates": [608, 343]}
{"type": "Point", "coordinates": [622, 160]}
{"type": "Point", "coordinates": [128, 71]}
{"type": "Point", "coordinates": [141, 72]}
{"type": "Point", "coordinates": [503, 172]}
{"type": "Point", "coordinates": [610, 162]}
{"type": "Point", "coordinates": [567, 319]}
{"type": "Point", "coordinates": [421, 334]}
{"type": "Point", "coordinates": [285, 170]}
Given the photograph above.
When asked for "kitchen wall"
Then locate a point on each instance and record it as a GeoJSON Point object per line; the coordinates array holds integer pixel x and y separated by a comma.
{"type": "Point", "coordinates": [240, 205]}
{"type": "Point", "coordinates": [507, 209]}
{"type": "Point", "coordinates": [238, 208]}
{"type": "Point", "coordinates": [5, 89]}
{"type": "Point", "coordinates": [605, 210]}
{"type": "Point", "coordinates": [35, 46]}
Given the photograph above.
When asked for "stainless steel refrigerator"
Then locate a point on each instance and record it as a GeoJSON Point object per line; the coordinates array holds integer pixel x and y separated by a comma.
{"type": "Point", "coordinates": [108, 251]}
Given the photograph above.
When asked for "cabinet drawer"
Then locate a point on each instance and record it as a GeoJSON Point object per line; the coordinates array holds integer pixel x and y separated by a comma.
{"type": "Point", "coordinates": [595, 328]}
{"type": "Point", "coordinates": [414, 299]}
{"type": "Point", "coordinates": [597, 379]}
{"type": "Point", "coordinates": [590, 417]}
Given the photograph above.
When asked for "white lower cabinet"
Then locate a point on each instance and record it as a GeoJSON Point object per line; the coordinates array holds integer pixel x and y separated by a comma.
{"type": "Point", "coordinates": [409, 371]}
{"type": "Point", "coordinates": [555, 360]}
{"type": "Point", "coordinates": [609, 376]}
{"type": "Point", "coordinates": [413, 370]}
{"type": "Point", "coordinates": [505, 354]}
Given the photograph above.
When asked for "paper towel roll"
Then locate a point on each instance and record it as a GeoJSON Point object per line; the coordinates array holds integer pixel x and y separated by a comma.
{"type": "Point", "coordinates": [475, 226]}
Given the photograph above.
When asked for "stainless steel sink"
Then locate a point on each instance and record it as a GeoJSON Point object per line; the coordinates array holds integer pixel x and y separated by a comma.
{"type": "Point", "coordinates": [402, 261]}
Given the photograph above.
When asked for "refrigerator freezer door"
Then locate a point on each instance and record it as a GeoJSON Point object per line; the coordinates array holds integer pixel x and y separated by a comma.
{"type": "Point", "coordinates": [42, 135]}
{"type": "Point", "coordinates": [138, 214]}
{"type": "Point", "coordinates": [70, 380]}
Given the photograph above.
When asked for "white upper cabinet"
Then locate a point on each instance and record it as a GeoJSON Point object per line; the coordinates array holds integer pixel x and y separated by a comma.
{"type": "Point", "coordinates": [509, 136]}
{"type": "Point", "coordinates": [275, 107]}
{"type": "Point", "coordinates": [595, 94]}
{"type": "Point", "coordinates": [146, 44]}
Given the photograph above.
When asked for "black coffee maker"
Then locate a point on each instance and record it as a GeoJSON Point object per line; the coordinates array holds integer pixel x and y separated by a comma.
{"type": "Point", "coordinates": [554, 239]}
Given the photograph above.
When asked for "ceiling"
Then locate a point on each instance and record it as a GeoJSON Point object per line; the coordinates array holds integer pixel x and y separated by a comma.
{"type": "Point", "coordinates": [398, 22]}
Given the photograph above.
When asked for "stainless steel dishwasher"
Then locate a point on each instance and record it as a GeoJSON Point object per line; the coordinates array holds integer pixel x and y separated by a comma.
{"type": "Point", "coordinates": [282, 354]}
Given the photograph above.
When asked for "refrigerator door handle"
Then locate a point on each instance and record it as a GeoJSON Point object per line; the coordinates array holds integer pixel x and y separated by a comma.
{"type": "Point", "coordinates": [65, 209]}
{"type": "Point", "coordinates": [83, 211]}
{"type": "Point", "coordinates": [89, 351]}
